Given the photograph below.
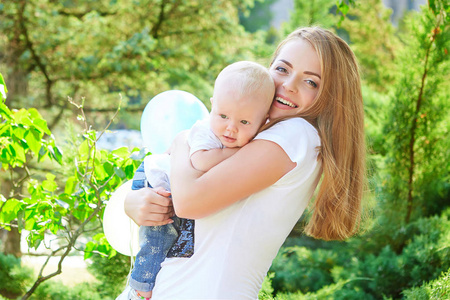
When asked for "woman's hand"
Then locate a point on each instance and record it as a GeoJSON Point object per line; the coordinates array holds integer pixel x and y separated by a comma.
{"type": "Point", "coordinates": [149, 207]}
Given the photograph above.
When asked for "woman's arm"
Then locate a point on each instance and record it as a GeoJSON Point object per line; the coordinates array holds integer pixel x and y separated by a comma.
{"type": "Point", "coordinates": [254, 167]}
{"type": "Point", "coordinates": [149, 207]}
{"type": "Point", "coordinates": [204, 160]}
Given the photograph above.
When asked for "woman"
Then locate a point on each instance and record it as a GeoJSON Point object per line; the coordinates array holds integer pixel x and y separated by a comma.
{"type": "Point", "coordinates": [246, 206]}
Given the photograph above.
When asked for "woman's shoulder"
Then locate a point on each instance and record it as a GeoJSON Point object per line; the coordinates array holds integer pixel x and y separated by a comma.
{"type": "Point", "coordinates": [295, 128]}
{"type": "Point", "coordinates": [295, 135]}
{"type": "Point", "coordinates": [296, 122]}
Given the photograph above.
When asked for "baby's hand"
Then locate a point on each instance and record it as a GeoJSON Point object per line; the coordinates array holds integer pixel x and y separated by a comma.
{"type": "Point", "coordinates": [161, 191]}
{"type": "Point", "coordinates": [180, 138]}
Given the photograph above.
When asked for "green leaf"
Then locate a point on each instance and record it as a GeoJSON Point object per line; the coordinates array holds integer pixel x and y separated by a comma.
{"type": "Point", "coordinates": [32, 141]}
{"type": "Point", "coordinates": [90, 247]}
{"type": "Point", "coordinates": [50, 176]}
{"type": "Point", "coordinates": [119, 172]}
{"type": "Point", "coordinates": [55, 152]}
{"type": "Point", "coordinates": [22, 117]}
{"type": "Point", "coordinates": [84, 150]}
{"type": "Point", "coordinates": [70, 185]}
{"type": "Point", "coordinates": [40, 123]}
{"type": "Point", "coordinates": [344, 9]}
{"type": "Point", "coordinates": [11, 205]}
{"type": "Point", "coordinates": [50, 184]}
{"type": "Point", "coordinates": [62, 204]}
{"type": "Point", "coordinates": [29, 224]}
{"type": "Point", "coordinates": [42, 153]}
{"type": "Point", "coordinates": [3, 89]}
{"type": "Point", "coordinates": [67, 198]}
{"type": "Point", "coordinates": [36, 243]}
{"type": "Point", "coordinates": [19, 153]}
{"type": "Point", "coordinates": [10, 210]}
{"type": "Point", "coordinates": [5, 112]}
{"type": "Point", "coordinates": [100, 172]}
{"type": "Point", "coordinates": [121, 152]}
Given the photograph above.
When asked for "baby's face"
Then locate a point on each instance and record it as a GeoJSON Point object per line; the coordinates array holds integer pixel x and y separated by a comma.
{"type": "Point", "coordinates": [235, 119]}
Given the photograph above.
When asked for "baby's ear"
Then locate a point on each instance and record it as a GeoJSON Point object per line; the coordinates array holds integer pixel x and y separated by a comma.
{"type": "Point", "coordinates": [211, 100]}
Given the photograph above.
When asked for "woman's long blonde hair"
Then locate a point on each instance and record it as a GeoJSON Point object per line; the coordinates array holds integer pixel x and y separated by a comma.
{"type": "Point", "coordinates": [338, 115]}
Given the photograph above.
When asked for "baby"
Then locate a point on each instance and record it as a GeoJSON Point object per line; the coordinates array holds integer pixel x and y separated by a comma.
{"type": "Point", "coordinates": [243, 94]}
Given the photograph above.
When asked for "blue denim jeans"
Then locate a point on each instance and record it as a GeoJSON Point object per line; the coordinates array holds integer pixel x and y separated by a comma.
{"type": "Point", "coordinates": [157, 243]}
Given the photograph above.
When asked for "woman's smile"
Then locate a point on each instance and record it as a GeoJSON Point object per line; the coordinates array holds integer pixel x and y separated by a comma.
{"type": "Point", "coordinates": [285, 102]}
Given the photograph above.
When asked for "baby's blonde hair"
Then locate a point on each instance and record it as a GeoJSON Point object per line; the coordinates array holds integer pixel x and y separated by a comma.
{"type": "Point", "coordinates": [246, 77]}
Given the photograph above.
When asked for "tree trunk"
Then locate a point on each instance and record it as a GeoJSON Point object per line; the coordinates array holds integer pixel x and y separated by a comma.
{"type": "Point", "coordinates": [10, 239]}
{"type": "Point", "coordinates": [12, 242]}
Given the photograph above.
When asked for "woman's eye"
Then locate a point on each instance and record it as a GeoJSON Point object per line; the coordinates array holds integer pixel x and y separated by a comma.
{"type": "Point", "coordinates": [245, 122]}
{"type": "Point", "coordinates": [223, 116]}
{"type": "Point", "coordinates": [311, 83]}
{"type": "Point", "coordinates": [281, 69]}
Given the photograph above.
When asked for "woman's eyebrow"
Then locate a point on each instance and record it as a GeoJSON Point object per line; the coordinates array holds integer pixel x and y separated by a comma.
{"type": "Point", "coordinates": [286, 62]}
{"type": "Point", "coordinates": [305, 72]}
{"type": "Point", "coordinates": [312, 73]}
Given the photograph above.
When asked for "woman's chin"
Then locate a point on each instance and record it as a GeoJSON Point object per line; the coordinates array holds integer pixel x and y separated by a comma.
{"type": "Point", "coordinates": [276, 113]}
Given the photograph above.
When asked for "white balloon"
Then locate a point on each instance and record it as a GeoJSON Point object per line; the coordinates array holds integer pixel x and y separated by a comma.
{"type": "Point", "coordinates": [167, 114]}
{"type": "Point", "coordinates": [120, 231]}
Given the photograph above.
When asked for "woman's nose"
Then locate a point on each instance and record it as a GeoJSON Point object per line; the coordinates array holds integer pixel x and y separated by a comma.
{"type": "Point", "coordinates": [290, 85]}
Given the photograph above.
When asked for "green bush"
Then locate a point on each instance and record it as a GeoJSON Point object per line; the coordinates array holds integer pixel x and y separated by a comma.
{"type": "Point", "coordinates": [14, 278]}
{"type": "Point", "coordinates": [329, 292]}
{"type": "Point", "coordinates": [110, 272]}
{"type": "Point", "coordinates": [298, 268]}
{"type": "Point", "coordinates": [434, 290]}
{"type": "Point", "coordinates": [55, 290]}
{"type": "Point", "coordinates": [349, 271]}
{"type": "Point", "coordinates": [266, 292]}
{"type": "Point", "coordinates": [425, 257]}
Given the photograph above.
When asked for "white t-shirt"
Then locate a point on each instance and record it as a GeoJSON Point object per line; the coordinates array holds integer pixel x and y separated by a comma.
{"type": "Point", "coordinates": [157, 166]}
{"type": "Point", "coordinates": [234, 247]}
{"type": "Point", "coordinates": [201, 137]}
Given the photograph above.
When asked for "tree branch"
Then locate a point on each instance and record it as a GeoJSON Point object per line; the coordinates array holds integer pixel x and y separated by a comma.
{"type": "Point", "coordinates": [155, 30]}
{"type": "Point", "coordinates": [44, 278]}
{"type": "Point", "coordinates": [80, 15]}
{"type": "Point", "coordinates": [412, 140]}
{"type": "Point", "coordinates": [36, 58]}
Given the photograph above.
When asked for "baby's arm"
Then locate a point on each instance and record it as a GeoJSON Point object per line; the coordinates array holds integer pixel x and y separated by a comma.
{"type": "Point", "coordinates": [203, 160]}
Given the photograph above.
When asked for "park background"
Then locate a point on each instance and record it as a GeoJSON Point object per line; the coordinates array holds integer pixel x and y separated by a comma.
{"type": "Point", "coordinates": [70, 65]}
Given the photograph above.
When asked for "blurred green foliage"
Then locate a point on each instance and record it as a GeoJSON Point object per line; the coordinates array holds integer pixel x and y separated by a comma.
{"type": "Point", "coordinates": [96, 49]}
{"type": "Point", "coordinates": [55, 290]}
{"type": "Point", "coordinates": [14, 278]}
{"type": "Point", "coordinates": [436, 289]}
{"type": "Point", "coordinates": [110, 273]}
{"type": "Point", "coordinates": [361, 271]}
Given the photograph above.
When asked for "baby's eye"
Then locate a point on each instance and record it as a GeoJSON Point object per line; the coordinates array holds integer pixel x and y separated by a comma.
{"type": "Point", "coordinates": [245, 122]}
{"type": "Point", "coordinates": [311, 83]}
{"type": "Point", "coordinates": [223, 116]}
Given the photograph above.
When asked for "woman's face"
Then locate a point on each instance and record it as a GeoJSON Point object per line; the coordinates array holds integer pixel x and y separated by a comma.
{"type": "Point", "coordinates": [297, 76]}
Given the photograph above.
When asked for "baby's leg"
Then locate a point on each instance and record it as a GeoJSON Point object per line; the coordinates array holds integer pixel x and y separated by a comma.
{"type": "Point", "coordinates": [155, 242]}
